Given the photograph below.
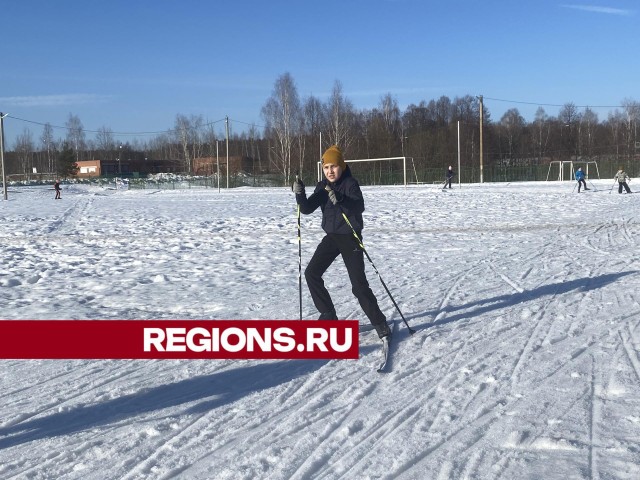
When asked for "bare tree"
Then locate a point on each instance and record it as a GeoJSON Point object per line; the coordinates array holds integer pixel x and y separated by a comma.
{"type": "Point", "coordinates": [187, 133]}
{"type": "Point", "coordinates": [282, 116]}
{"type": "Point", "coordinates": [75, 134]}
{"type": "Point", "coordinates": [197, 136]}
{"type": "Point", "coordinates": [542, 131]}
{"type": "Point", "coordinates": [392, 123]}
{"type": "Point", "coordinates": [512, 126]}
{"type": "Point", "coordinates": [340, 117]}
{"type": "Point", "coordinates": [105, 140]}
{"type": "Point", "coordinates": [24, 149]}
{"type": "Point", "coordinates": [569, 118]}
{"type": "Point", "coordinates": [443, 111]}
{"type": "Point", "coordinates": [49, 147]}
{"type": "Point", "coordinates": [615, 123]}
{"type": "Point", "coordinates": [588, 123]}
{"type": "Point", "coordinates": [182, 128]}
{"type": "Point", "coordinates": [632, 111]}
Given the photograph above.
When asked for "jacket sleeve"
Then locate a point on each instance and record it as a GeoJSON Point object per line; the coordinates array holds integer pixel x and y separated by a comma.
{"type": "Point", "coordinates": [352, 198]}
{"type": "Point", "coordinates": [311, 204]}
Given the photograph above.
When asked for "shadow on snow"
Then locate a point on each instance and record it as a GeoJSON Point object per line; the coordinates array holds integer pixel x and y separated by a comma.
{"type": "Point", "coordinates": [212, 391]}
{"type": "Point", "coordinates": [504, 301]}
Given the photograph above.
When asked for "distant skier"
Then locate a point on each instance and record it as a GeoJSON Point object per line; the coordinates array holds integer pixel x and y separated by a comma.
{"type": "Point", "coordinates": [622, 178]}
{"type": "Point", "coordinates": [581, 180]}
{"type": "Point", "coordinates": [57, 188]}
{"type": "Point", "coordinates": [339, 192]}
{"type": "Point", "coordinates": [449, 176]}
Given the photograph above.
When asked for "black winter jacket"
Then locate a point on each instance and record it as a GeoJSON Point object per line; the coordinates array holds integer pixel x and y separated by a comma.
{"type": "Point", "coordinates": [350, 202]}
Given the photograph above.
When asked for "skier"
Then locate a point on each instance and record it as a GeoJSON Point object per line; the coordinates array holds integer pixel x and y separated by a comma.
{"type": "Point", "coordinates": [338, 193]}
{"type": "Point", "coordinates": [622, 177]}
{"type": "Point", "coordinates": [57, 188]}
{"type": "Point", "coordinates": [449, 175]}
{"type": "Point", "coordinates": [581, 180]}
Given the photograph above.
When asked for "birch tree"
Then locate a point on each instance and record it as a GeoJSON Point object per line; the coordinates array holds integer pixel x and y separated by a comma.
{"type": "Point", "coordinates": [183, 133]}
{"type": "Point", "coordinates": [512, 125]}
{"type": "Point", "coordinates": [75, 134]}
{"type": "Point", "coordinates": [588, 123]}
{"type": "Point", "coordinates": [392, 123]}
{"type": "Point", "coordinates": [24, 149]}
{"type": "Point", "coordinates": [281, 114]}
{"type": "Point", "coordinates": [48, 146]}
{"type": "Point", "coordinates": [632, 112]}
{"type": "Point", "coordinates": [542, 131]}
{"type": "Point", "coordinates": [312, 112]}
{"type": "Point", "coordinates": [340, 117]}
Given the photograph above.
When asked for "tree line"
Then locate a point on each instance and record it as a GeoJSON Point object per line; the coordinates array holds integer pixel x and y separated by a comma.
{"type": "Point", "coordinates": [296, 130]}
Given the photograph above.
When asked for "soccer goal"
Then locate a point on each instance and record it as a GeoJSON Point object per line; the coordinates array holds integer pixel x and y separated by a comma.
{"type": "Point", "coordinates": [561, 164]}
{"type": "Point", "coordinates": [389, 159]}
{"type": "Point", "coordinates": [586, 164]}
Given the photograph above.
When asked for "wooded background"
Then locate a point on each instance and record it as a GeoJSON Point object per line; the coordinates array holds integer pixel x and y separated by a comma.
{"type": "Point", "coordinates": [289, 140]}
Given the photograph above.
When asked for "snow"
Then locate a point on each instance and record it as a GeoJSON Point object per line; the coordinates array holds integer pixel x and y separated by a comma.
{"type": "Point", "coordinates": [525, 363]}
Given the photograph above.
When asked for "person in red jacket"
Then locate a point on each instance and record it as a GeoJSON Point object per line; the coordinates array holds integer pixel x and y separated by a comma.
{"type": "Point", "coordinates": [338, 193]}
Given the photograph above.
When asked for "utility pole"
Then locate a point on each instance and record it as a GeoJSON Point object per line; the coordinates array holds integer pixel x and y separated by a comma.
{"type": "Point", "coordinates": [218, 166]}
{"type": "Point", "coordinates": [481, 114]}
{"type": "Point", "coordinates": [226, 121]}
{"type": "Point", "coordinates": [481, 151]}
{"type": "Point", "coordinates": [4, 178]}
{"type": "Point", "coordinates": [459, 173]}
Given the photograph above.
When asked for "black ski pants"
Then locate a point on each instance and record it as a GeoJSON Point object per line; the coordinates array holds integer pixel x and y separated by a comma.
{"type": "Point", "coordinates": [330, 247]}
{"type": "Point", "coordinates": [626, 187]}
{"type": "Point", "coordinates": [583, 183]}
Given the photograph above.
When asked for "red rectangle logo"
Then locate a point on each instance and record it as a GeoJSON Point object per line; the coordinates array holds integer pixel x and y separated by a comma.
{"type": "Point", "coordinates": [178, 339]}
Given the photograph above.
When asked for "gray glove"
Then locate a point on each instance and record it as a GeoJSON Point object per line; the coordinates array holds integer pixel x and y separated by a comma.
{"type": "Point", "coordinates": [332, 195]}
{"type": "Point", "coordinates": [298, 187]}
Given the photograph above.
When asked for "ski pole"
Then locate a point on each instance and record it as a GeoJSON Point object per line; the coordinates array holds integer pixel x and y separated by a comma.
{"type": "Point", "coordinates": [574, 188]}
{"type": "Point", "coordinates": [299, 259]}
{"type": "Point", "coordinates": [411, 330]}
{"type": "Point", "coordinates": [614, 184]}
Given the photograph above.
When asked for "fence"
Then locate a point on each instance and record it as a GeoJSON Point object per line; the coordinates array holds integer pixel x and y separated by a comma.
{"type": "Point", "coordinates": [177, 182]}
{"type": "Point", "coordinates": [395, 176]}
{"type": "Point", "coordinates": [471, 174]}
{"type": "Point", "coordinates": [380, 175]}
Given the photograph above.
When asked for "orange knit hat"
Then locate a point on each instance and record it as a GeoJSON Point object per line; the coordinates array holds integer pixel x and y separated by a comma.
{"type": "Point", "coordinates": [333, 155]}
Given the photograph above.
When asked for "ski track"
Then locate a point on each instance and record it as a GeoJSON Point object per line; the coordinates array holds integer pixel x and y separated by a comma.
{"type": "Point", "coordinates": [517, 374]}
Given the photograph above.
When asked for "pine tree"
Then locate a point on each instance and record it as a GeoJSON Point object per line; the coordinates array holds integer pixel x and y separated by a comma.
{"type": "Point", "coordinates": [67, 165]}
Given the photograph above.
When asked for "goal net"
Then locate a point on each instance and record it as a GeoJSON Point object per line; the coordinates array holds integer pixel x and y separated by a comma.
{"type": "Point", "coordinates": [572, 165]}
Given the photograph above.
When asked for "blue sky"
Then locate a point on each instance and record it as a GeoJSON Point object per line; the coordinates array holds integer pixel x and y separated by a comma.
{"type": "Point", "coordinates": [133, 66]}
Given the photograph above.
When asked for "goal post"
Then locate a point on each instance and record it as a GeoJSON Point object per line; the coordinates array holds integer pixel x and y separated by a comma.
{"type": "Point", "coordinates": [572, 171]}
{"type": "Point", "coordinates": [404, 165]}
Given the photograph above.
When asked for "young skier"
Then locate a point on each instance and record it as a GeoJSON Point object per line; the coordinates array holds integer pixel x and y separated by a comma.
{"type": "Point", "coordinates": [622, 178]}
{"type": "Point", "coordinates": [580, 179]}
{"type": "Point", "coordinates": [338, 193]}
{"type": "Point", "coordinates": [449, 175]}
{"type": "Point", "coordinates": [56, 186]}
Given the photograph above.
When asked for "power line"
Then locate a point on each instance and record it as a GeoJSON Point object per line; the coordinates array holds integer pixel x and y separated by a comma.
{"type": "Point", "coordinates": [246, 123]}
{"type": "Point", "coordinates": [160, 132]}
{"type": "Point", "coordinates": [551, 104]}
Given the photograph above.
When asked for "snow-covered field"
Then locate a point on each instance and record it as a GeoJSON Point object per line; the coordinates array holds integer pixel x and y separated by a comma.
{"type": "Point", "coordinates": [526, 363]}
